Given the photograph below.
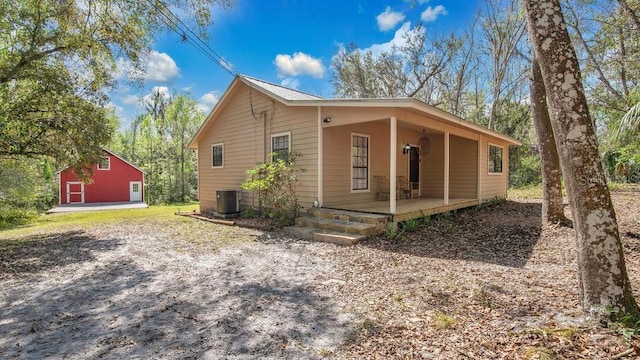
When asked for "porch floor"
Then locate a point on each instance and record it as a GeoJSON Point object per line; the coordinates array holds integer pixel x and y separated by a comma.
{"type": "Point", "coordinates": [407, 209]}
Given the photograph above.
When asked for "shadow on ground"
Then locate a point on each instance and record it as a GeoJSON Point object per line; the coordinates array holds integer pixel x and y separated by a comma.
{"type": "Point", "coordinates": [503, 234]}
{"type": "Point", "coordinates": [122, 307]}
{"type": "Point", "coordinates": [36, 253]}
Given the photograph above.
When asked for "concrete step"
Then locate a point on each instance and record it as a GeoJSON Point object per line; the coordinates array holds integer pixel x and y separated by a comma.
{"type": "Point", "coordinates": [317, 234]}
{"type": "Point", "coordinates": [344, 215]}
{"type": "Point", "coordinates": [341, 226]}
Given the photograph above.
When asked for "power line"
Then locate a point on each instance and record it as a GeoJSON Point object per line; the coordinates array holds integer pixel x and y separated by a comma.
{"type": "Point", "coordinates": [181, 29]}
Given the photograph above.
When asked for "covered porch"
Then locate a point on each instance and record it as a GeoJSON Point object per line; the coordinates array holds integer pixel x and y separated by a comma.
{"type": "Point", "coordinates": [395, 162]}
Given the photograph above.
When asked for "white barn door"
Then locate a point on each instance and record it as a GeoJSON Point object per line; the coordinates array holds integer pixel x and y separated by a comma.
{"type": "Point", "coordinates": [135, 191]}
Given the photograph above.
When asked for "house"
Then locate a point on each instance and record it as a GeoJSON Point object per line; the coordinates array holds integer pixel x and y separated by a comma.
{"type": "Point", "coordinates": [113, 180]}
{"type": "Point", "coordinates": [355, 152]}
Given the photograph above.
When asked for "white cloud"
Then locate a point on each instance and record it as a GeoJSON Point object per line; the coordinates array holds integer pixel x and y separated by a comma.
{"type": "Point", "coordinates": [160, 67]}
{"type": "Point", "coordinates": [388, 19]}
{"type": "Point", "coordinates": [298, 64]}
{"type": "Point", "coordinates": [399, 40]}
{"type": "Point", "coordinates": [163, 92]}
{"type": "Point", "coordinates": [432, 13]}
{"type": "Point", "coordinates": [116, 108]}
{"type": "Point", "coordinates": [208, 101]}
{"type": "Point", "coordinates": [131, 99]}
{"type": "Point", "coordinates": [291, 83]}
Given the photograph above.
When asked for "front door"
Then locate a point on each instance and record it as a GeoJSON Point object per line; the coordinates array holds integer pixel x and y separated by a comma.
{"type": "Point", "coordinates": [75, 192]}
{"type": "Point", "coordinates": [414, 171]}
{"type": "Point", "coordinates": [135, 191]}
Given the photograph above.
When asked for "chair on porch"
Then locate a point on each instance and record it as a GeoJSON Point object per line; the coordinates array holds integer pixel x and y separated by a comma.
{"type": "Point", "coordinates": [382, 187]}
{"type": "Point", "coordinates": [403, 188]}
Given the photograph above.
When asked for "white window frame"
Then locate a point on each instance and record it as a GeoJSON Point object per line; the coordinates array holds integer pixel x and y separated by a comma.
{"type": "Point", "coordinates": [368, 189]}
{"type": "Point", "coordinates": [287, 134]}
{"type": "Point", "coordinates": [489, 159]}
{"type": "Point", "coordinates": [108, 163]}
{"type": "Point", "coordinates": [213, 146]}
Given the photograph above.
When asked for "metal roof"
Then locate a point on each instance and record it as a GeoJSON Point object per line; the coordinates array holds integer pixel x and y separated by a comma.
{"type": "Point", "coordinates": [280, 91]}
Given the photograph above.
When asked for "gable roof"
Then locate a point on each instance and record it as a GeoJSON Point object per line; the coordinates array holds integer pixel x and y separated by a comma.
{"type": "Point", "coordinates": [291, 97]}
{"type": "Point", "coordinates": [112, 154]}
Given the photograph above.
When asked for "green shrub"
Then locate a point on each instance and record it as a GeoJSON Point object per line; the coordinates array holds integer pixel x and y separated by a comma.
{"type": "Point", "coordinates": [410, 225]}
{"type": "Point", "coordinates": [394, 234]}
{"type": "Point", "coordinates": [527, 173]}
{"type": "Point", "coordinates": [11, 216]}
{"type": "Point", "coordinates": [275, 184]}
{"type": "Point", "coordinates": [623, 164]}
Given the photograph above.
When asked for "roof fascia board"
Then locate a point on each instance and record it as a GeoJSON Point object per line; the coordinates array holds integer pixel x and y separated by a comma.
{"type": "Point", "coordinates": [111, 153]}
{"type": "Point", "coordinates": [130, 164]}
{"type": "Point", "coordinates": [406, 103]}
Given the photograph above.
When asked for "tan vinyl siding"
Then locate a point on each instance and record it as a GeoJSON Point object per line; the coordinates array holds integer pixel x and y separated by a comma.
{"type": "Point", "coordinates": [493, 185]}
{"type": "Point", "coordinates": [337, 161]}
{"type": "Point", "coordinates": [244, 142]}
{"type": "Point", "coordinates": [432, 176]}
{"type": "Point", "coordinates": [463, 168]}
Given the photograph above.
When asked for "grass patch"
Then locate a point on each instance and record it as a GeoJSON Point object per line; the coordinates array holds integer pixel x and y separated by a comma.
{"type": "Point", "coordinates": [537, 353]}
{"type": "Point", "coordinates": [52, 222]}
{"type": "Point", "coordinates": [533, 192]}
{"type": "Point", "coordinates": [394, 234]}
{"type": "Point", "coordinates": [443, 321]}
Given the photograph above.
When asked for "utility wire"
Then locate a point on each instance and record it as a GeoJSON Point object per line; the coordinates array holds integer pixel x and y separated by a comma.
{"type": "Point", "coordinates": [224, 62]}
{"type": "Point", "coordinates": [179, 27]}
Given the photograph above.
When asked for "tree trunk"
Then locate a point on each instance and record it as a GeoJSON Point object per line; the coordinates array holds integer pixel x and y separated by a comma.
{"type": "Point", "coordinates": [552, 208]}
{"type": "Point", "coordinates": [605, 288]}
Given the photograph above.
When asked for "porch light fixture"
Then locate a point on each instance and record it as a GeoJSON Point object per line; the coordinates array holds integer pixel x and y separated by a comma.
{"type": "Point", "coordinates": [406, 149]}
{"type": "Point", "coordinates": [326, 120]}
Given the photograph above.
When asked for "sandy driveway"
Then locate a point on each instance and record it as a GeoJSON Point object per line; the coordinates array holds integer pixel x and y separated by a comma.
{"type": "Point", "coordinates": [486, 283]}
{"type": "Point", "coordinates": [85, 294]}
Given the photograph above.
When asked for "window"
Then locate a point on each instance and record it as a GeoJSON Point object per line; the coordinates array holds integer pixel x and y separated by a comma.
{"type": "Point", "coordinates": [135, 187]}
{"type": "Point", "coordinates": [280, 146]}
{"type": "Point", "coordinates": [104, 163]}
{"type": "Point", "coordinates": [217, 155]}
{"type": "Point", "coordinates": [495, 159]}
{"type": "Point", "coordinates": [359, 162]}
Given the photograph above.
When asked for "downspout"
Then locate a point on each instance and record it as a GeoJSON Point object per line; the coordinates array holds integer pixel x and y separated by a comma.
{"type": "Point", "coordinates": [265, 142]}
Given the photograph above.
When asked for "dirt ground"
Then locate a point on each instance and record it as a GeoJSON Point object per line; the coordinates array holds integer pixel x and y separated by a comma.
{"type": "Point", "coordinates": [477, 284]}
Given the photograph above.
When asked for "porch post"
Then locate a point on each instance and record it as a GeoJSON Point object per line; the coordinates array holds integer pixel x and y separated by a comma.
{"type": "Point", "coordinates": [446, 168]}
{"type": "Point", "coordinates": [320, 159]}
{"type": "Point", "coordinates": [479, 191]}
{"type": "Point", "coordinates": [392, 164]}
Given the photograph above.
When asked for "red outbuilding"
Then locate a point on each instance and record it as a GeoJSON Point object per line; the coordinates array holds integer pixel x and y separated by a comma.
{"type": "Point", "coordinates": [114, 180]}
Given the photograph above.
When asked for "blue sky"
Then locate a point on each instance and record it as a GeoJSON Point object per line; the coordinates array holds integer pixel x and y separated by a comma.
{"type": "Point", "coordinates": [288, 42]}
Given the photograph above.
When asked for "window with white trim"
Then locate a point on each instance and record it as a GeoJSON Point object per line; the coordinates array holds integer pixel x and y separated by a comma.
{"type": "Point", "coordinates": [105, 163]}
{"type": "Point", "coordinates": [359, 162]}
{"type": "Point", "coordinates": [217, 155]}
{"type": "Point", "coordinates": [280, 146]}
{"type": "Point", "coordinates": [495, 159]}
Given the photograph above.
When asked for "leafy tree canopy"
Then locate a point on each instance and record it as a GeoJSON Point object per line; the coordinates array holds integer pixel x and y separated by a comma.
{"type": "Point", "coordinates": [57, 60]}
